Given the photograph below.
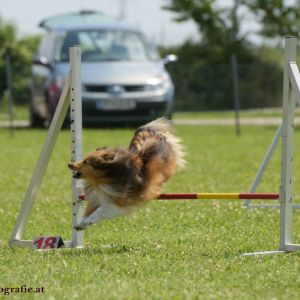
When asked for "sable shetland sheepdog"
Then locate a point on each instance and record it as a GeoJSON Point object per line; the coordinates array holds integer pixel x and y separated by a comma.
{"type": "Point", "coordinates": [118, 179]}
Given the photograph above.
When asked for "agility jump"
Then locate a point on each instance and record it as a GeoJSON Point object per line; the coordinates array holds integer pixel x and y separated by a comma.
{"type": "Point", "coordinates": [224, 196]}
{"type": "Point", "coordinates": [71, 95]}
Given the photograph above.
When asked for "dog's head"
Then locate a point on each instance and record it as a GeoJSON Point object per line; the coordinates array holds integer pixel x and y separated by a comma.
{"type": "Point", "coordinates": [101, 166]}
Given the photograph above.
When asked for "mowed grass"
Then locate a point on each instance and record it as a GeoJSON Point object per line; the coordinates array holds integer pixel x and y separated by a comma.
{"type": "Point", "coordinates": [168, 250]}
{"type": "Point", "coordinates": [21, 112]}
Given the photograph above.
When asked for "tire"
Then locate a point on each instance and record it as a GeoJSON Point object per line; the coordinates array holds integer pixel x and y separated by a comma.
{"type": "Point", "coordinates": [50, 111]}
{"type": "Point", "coordinates": [36, 121]}
{"type": "Point", "coordinates": [51, 108]}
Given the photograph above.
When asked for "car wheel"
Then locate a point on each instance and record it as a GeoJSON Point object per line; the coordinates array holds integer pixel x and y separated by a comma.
{"type": "Point", "coordinates": [36, 121]}
{"type": "Point", "coordinates": [50, 113]}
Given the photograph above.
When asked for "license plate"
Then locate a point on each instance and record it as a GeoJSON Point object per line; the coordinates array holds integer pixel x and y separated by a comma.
{"type": "Point", "coordinates": [116, 104]}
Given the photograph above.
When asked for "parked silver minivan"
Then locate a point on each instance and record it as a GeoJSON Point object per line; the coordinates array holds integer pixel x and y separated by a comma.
{"type": "Point", "coordinates": [123, 77]}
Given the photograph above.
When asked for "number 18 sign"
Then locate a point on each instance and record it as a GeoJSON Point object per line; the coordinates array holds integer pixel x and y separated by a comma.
{"type": "Point", "coordinates": [47, 242]}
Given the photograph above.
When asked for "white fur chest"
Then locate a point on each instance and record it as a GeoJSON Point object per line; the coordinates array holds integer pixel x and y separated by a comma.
{"type": "Point", "coordinates": [97, 195]}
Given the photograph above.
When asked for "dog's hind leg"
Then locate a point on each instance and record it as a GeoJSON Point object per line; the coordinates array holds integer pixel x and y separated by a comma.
{"type": "Point", "coordinates": [107, 211]}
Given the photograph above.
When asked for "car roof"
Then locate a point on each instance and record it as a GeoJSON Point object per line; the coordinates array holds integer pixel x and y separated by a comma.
{"type": "Point", "coordinates": [100, 26]}
{"type": "Point", "coordinates": [85, 20]}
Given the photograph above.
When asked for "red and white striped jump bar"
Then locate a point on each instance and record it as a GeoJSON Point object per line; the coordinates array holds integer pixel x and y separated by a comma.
{"type": "Point", "coordinates": [253, 196]}
{"type": "Point", "coordinates": [257, 196]}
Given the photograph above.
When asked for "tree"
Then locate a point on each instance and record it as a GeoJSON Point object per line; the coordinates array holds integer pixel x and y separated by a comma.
{"type": "Point", "coordinates": [7, 36]}
{"type": "Point", "coordinates": [278, 17]}
{"type": "Point", "coordinates": [215, 24]}
{"type": "Point", "coordinates": [21, 53]}
{"type": "Point", "coordinates": [203, 75]}
{"type": "Point", "coordinates": [223, 25]}
{"type": "Point", "coordinates": [7, 43]}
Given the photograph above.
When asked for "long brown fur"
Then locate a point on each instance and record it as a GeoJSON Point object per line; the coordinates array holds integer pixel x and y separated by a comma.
{"type": "Point", "coordinates": [133, 175]}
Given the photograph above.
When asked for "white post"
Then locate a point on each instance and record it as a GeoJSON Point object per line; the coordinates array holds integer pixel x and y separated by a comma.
{"type": "Point", "coordinates": [41, 165]}
{"type": "Point", "coordinates": [285, 193]}
{"type": "Point", "coordinates": [76, 139]}
{"type": "Point", "coordinates": [262, 168]}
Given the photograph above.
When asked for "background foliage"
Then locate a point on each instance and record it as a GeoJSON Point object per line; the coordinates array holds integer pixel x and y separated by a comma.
{"type": "Point", "coordinates": [21, 52]}
{"type": "Point", "coordinates": [203, 73]}
{"type": "Point", "coordinates": [205, 84]}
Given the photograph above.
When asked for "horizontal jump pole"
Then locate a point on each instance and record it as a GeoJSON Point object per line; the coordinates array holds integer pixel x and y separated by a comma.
{"type": "Point", "coordinates": [254, 196]}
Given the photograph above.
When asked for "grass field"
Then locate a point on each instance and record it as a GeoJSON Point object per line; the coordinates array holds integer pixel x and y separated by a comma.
{"type": "Point", "coordinates": [168, 250]}
{"type": "Point", "coordinates": [21, 113]}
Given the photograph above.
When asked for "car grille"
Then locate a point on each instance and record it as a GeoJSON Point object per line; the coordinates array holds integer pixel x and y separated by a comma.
{"type": "Point", "coordinates": [142, 109]}
{"type": "Point", "coordinates": [105, 88]}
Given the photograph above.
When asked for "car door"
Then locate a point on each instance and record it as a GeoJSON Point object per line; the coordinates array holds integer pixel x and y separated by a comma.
{"type": "Point", "coordinates": [41, 74]}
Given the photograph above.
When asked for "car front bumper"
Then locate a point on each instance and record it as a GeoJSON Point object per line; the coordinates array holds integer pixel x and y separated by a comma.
{"type": "Point", "coordinates": [143, 111]}
{"type": "Point", "coordinates": [132, 109]}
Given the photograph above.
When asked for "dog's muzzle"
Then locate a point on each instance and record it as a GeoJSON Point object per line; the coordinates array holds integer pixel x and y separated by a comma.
{"type": "Point", "coordinates": [77, 175]}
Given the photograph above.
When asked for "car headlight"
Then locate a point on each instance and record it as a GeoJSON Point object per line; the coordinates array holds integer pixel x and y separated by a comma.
{"type": "Point", "coordinates": [156, 83]}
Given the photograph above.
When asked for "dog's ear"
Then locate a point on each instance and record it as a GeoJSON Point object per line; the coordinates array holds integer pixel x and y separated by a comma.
{"type": "Point", "coordinates": [108, 157]}
{"type": "Point", "coordinates": [115, 166]}
{"type": "Point", "coordinates": [103, 162]}
{"type": "Point", "coordinates": [101, 148]}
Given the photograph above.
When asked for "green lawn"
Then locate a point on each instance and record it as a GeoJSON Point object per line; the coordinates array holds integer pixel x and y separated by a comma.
{"type": "Point", "coordinates": [246, 113]}
{"type": "Point", "coordinates": [168, 250]}
{"type": "Point", "coordinates": [21, 113]}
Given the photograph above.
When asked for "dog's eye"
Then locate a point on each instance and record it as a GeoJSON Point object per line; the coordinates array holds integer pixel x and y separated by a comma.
{"type": "Point", "coordinates": [86, 161]}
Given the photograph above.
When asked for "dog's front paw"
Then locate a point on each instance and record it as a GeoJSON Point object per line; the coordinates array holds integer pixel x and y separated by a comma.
{"type": "Point", "coordinates": [81, 225]}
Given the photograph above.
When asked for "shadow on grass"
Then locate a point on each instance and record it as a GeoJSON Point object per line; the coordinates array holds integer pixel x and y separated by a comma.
{"type": "Point", "coordinates": [98, 250]}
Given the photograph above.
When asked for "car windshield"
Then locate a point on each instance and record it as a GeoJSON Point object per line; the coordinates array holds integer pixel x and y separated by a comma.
{"type": "Point", "coordinates": [105, 45]}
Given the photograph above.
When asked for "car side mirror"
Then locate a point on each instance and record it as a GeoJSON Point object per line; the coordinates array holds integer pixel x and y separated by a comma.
{"type": "Point", "coordinates": [170, 58]}
{"type": "Point", "coordinates": [41, 61]}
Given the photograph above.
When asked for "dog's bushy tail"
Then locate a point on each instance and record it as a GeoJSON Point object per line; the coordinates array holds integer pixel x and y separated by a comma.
{"type": "Point", "coordinates": [160, 154]}
{"type": "Point", "coordinates": [162, 125]}
{"type": "Point", "coordinates": [150, 138]}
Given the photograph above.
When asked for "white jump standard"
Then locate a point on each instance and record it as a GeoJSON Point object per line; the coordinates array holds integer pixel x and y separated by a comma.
{"type": "Point", "coordinates": [71, 96]}
{"type": "Point", "coordinates": [291, 92]}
